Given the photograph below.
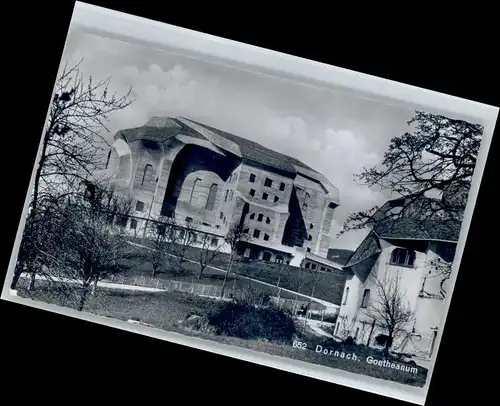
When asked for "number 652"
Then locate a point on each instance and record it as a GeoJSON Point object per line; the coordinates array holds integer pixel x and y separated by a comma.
{"type": "Point", "coordinates": [299, 344]}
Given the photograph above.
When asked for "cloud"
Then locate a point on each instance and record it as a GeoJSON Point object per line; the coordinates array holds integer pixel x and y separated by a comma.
{"type": "Point", "coordinates": [260, 108]}
{"type": "Point", "coordinates": [336, 153]}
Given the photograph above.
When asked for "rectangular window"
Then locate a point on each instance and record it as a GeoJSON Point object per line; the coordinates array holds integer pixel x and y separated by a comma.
{"type": "Point", "coordinates": [214, 242]}
{"type": "Point", "coordinates": [346, 295]}
{"type": "Point", "coordinates": [133, 224]}
{"type": "Point", "coordinates": [322, 268]}
{"type": "Point", "coordinates": [268, 182]}
{"type": "Point", "coordinates": [139, 206]}
{"type": "Point", "coordinates": [366, 298]}
{"type": "Point", "coordinates": [252, 178]}
{"type": "Point", "coordinates": [313, 266]}
{"type": "Point", "coordinates": [221, 215]}
{"type": "Point", "coordinates": [252, 192]}
{"type": "Point", "coordinates": [266, 237]}
{"type": "Point", "coordinates": [282, 186]}
{"type": "Point", "coordinates": [264, 196]}
{"type": "Point", "coordinates": [256, 233]}
{"type": "Point", "coordinates": [227, 194]}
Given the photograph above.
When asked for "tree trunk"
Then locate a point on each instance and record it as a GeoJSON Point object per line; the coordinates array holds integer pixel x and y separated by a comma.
{"type": "Point", "coordinates": [17, 274]}
{"type": "Point", "coordinates": [388, 343]}
{"type": "Point", "coordinates": [226, 275]}
{"type": "Point", "coordinates": [32, 281]}
{"type": "Point", "coordinates": [34, 200]}
{"type": "Point", "coordinates": [83, 297]}
{"type": "Point", "coordinates": [94, 286]}
{"type": "Point", "coordinates": [202, 269]}
{"type": "Point", "coordinates": [371, 333]}
{"type": "Point", "coordinates": [154, 272]}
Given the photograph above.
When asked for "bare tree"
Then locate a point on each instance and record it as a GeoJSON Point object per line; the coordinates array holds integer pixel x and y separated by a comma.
{"type": "Point", "coordinates": [439, 155]}
{"type": "Point", "coordinates": [210, 248]}
{"type": "Point", "coordinates": [95, 239]}
{"type": "Point", "coordinates": [390, 309]}
{"type": "Point", "coordinates": [304, 281]}
{"type": "Point", "coordinates": [236, 234]}
{"type": "Point", "coordinates": [73, 142]}
{"type": "Point", "coordinates": [346, 326]}
{"type": "Point", "coordinates": [162, 234]}
{"type": "Point", "coordinates": [187, 235]}
{"type": "Point", "coordinates": [443, 270]}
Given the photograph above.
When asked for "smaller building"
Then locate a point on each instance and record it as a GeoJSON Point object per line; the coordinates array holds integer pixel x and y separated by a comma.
{"type": "Point", "coordinates": [317, 263]}
{"type": "Point", "coordinates": [397, 280]}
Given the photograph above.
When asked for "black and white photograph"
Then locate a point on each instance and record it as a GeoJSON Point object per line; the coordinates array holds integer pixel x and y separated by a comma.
{"type": "Point", "coordinates": [253, 211]}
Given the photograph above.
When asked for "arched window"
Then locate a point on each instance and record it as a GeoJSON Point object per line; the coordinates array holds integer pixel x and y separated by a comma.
{"type": "Point", "coordinates": [279, 259]}
{"type": "Point", "coordinates": [211, 197]}
{"type": "Point", "coordinates": [268, 220]}
{"type": "Point", "coordinates": [146, 176]}
{"type": "Point", "coordinates": [260, 217]}
{"type": "Point", "coordinates": [346, 295]}
{"type": "Point", "coordinates": [308, 265]}
{"type": "Point", "coordinates": [195, 184]}
{"type": "Point", "coordinates": [266, 256]}
{"type": "Point", "coordinates": [107, 159]}
{"type": "Point", "coordinates": [402, 256]}
{"type": "Point", "coordinates": [306, 201]}
{"type": "Point", "coordinates": [366, 298]}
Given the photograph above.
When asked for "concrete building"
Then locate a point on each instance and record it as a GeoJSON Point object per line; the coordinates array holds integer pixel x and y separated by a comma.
{"type": "Point", "coordinates": [407, 255]}
{"type": "Point", "coordinates": [182, 169]}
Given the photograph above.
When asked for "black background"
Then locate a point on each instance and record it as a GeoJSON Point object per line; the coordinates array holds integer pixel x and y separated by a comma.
{"type": "Point", "coordinates": [50, 357]}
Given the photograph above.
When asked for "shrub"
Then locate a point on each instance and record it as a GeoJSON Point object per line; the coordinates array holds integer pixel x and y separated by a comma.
{"type": "Point", "coordinates": [382, 339]}
{"type": "Point", "coordinates": [246, 321]}
{"type": "Point", "coordinates": [349, 341]}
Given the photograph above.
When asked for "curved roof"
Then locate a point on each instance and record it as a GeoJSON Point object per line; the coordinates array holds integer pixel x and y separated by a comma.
{"type": "Point", "coordinates": [161, 129]}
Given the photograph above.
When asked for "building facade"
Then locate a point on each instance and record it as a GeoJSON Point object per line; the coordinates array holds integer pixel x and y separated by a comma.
{"type": "Point", "coordinates": [399, 272]}
{"type": "Point", "coordinates": [178, 168]}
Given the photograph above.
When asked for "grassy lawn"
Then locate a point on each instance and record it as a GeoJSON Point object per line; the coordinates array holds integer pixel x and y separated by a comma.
{"type": "Point", "coordinates": [166, 310]}
{"type": "Point", "coordinates": [328, 286]}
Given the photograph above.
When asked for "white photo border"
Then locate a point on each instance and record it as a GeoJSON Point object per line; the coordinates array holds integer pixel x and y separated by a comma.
{"type": "Point", "coordinates": [127, 27]}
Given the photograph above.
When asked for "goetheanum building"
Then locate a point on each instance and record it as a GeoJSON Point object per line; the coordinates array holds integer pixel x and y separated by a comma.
{"type": "Point", "coordinates": [182, 169]}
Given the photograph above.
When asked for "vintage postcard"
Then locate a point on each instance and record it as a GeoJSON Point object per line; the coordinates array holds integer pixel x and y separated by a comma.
{"type": "Point", "coordinates": [249, 203]}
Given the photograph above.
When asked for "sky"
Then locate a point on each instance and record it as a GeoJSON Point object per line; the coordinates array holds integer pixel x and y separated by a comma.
{"type": "Point", "coordinates": [334, 133]}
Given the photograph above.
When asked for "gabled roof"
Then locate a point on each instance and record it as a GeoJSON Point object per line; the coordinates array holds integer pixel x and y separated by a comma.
{"type": "Point", "coordinates": [415, 229]}
{"type": "Point", "coordinates": [159, 129]}
{"type": "Point", "coordinates": [369, 247]}
{"type": "Point", "coordinates": [364, 258]}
